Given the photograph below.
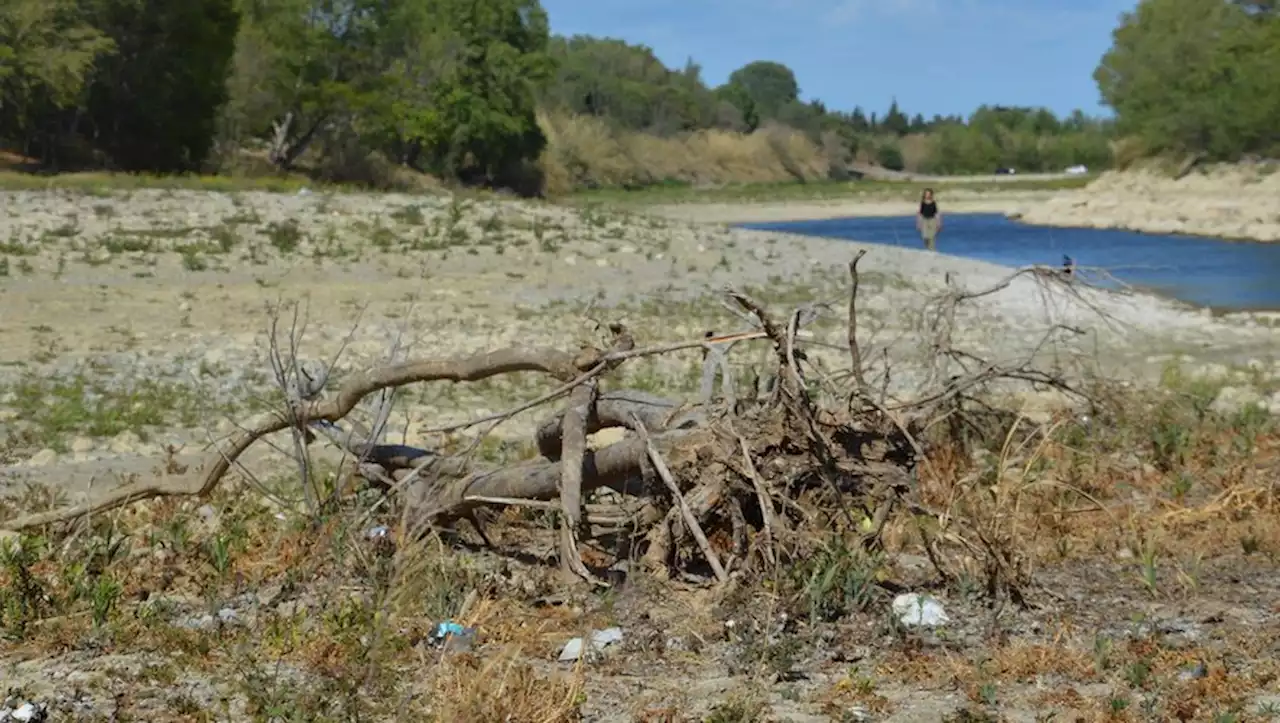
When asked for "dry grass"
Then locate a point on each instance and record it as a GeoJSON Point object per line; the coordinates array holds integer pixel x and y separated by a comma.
{"type": "Point", "coordinates": [585, 152]}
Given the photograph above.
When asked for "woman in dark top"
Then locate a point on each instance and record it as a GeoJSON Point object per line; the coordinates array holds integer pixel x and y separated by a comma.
{"type": "Point", "coordinates": [928, 219]}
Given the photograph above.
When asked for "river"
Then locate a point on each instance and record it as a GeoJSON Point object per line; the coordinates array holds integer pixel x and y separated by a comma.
{"type": "Point", "coordinates": [1205, 272]}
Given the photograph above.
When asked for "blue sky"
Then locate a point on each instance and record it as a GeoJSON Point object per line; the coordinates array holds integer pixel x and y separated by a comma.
{"type": "Point", "coordinates": [935, 56]}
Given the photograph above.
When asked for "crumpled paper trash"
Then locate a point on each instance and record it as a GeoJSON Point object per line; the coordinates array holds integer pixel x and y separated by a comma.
{"type": "Point", "coordinates": [916, 610]}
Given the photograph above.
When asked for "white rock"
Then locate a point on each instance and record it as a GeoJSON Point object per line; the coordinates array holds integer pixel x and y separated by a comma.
{"type": "Point", "coordinates": [1211, 371]}
{"type": "Point", "coordinates": [43, 458]}
{"type": "Point", "coordinates": [82, 445]}
{"type": "Point", "coordinates": [214, 356]}
{"type": "Point", "coordinates": [915, 610]}
{"type": "Point", "coordinates": [125, 443]}
{"type": "Point", "coordinates": [1234, 399]}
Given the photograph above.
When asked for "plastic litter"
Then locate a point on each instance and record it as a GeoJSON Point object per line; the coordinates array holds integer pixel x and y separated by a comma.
{"type": "Point", "coordinates": [25, 713]}
{"type": "Point", "coordinates": [600, 639]}
{"type": "Point", "coordinates": [453, 636]}
{"type": "Point", "coordinates": [916, 610]}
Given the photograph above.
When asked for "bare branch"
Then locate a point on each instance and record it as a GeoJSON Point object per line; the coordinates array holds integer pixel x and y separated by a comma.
{"type": "Point", "coordinates": [855, 354]}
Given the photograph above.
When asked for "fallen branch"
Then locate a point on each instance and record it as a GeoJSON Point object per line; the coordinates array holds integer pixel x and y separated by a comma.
{"type": "Point", "coordinates": [200, 479]}
{"type": "Point", "coordinates": [620, 466]}
{"type": "Point", "coordinates": [855, 353]}
{"type": "Point", "coordinates": [574, 439]}
{"type": "Point", "coordinates": [619, 409]}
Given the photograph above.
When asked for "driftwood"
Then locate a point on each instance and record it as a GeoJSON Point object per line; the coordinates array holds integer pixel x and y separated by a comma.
{"type": "Point", "coordinates": [743, 473]}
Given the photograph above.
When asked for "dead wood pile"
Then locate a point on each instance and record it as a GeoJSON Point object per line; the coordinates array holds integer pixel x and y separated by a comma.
{"type": "Point", "coordinates": [718, 483]}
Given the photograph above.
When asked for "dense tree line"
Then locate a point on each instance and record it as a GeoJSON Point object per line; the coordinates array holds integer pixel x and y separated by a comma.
{"type": "Point", "coordinates": [454, 87]}
{"type": "Point", "coordinates": [1198, 77]}
{"type": "Point", "coordinates": [629, 86]}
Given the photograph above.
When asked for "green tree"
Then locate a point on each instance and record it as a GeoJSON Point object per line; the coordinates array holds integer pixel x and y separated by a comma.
{"type": "Point", "coordinates": [770, 86]}
{"type": "Point", "coordinates": [305, 69]}
{"type": "Point", "coordinates": [737, 97]}
{"type": "Point", "coordinates": [153, 103]}
{"type": "Point", "coordinates": [627, 84]}
{"type": "Point", "coordinates": [889, 155]}
{"type": "Point", "coordinates": [481, 126]}
{"type": "Point", "coordinates": [47, 54]}
{"type": "Point", "coordinates": [1195, 76]}
{"type": "Point", "coordinates": [895, 121]}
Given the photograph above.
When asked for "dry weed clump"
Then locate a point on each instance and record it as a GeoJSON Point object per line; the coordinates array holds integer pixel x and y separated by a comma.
{"type": "Point", "coordinates": [303, 619]}
{"type": "Point", "coordinates": [1141, 469]}
{"type": "Point", "coordinates": [585, 152]}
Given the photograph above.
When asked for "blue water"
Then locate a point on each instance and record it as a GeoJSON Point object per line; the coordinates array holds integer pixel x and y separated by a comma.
{"type": "Point", "coordinates": [1206, 272]}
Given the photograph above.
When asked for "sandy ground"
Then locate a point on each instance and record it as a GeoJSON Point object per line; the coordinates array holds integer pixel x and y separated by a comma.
{"type": "Point", "coordinates": [1240, 202]}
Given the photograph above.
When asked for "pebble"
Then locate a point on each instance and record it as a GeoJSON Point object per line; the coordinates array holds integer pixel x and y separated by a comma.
{"type": "Point", "coordinates": [43, 458]}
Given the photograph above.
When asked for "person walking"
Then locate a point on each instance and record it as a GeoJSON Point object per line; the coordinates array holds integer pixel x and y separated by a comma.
{"type": "Point", "coordinates": [928, 220]}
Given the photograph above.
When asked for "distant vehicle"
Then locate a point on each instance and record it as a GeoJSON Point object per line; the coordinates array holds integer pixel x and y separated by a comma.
{"type": "Point", "coordinates": [1077, 170]}
{"type": "Point", "coordinates": [1005, 171]}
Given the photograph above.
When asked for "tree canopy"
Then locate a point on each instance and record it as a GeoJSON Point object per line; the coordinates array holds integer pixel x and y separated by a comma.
{"type": "Point", "coordinates": [455, 88]}
{"type": "Point", "coordinates": [1197, 77]}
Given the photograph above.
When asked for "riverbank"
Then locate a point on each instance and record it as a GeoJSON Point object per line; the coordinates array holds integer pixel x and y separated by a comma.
{"type": "Point", "coordinates": [1239, 202]}
{"type": "Point", "coordinates": [766, 211]}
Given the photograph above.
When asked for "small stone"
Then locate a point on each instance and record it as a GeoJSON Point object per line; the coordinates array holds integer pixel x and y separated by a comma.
{"type": "Point", "coordinates": [215, 356]}
{"type": "Point", "coordinates": [125, 443]}
{"type": "Point", "coordinates": [208, 516]}
{"type": "Point", "coordinates": [1231, 400]}
{"type": "Point", "coordinates": [43, 458]}
{"type": "Point", "coordinates": [82, 445]}
{"type": "Point", "coordinates": [269, 594]}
